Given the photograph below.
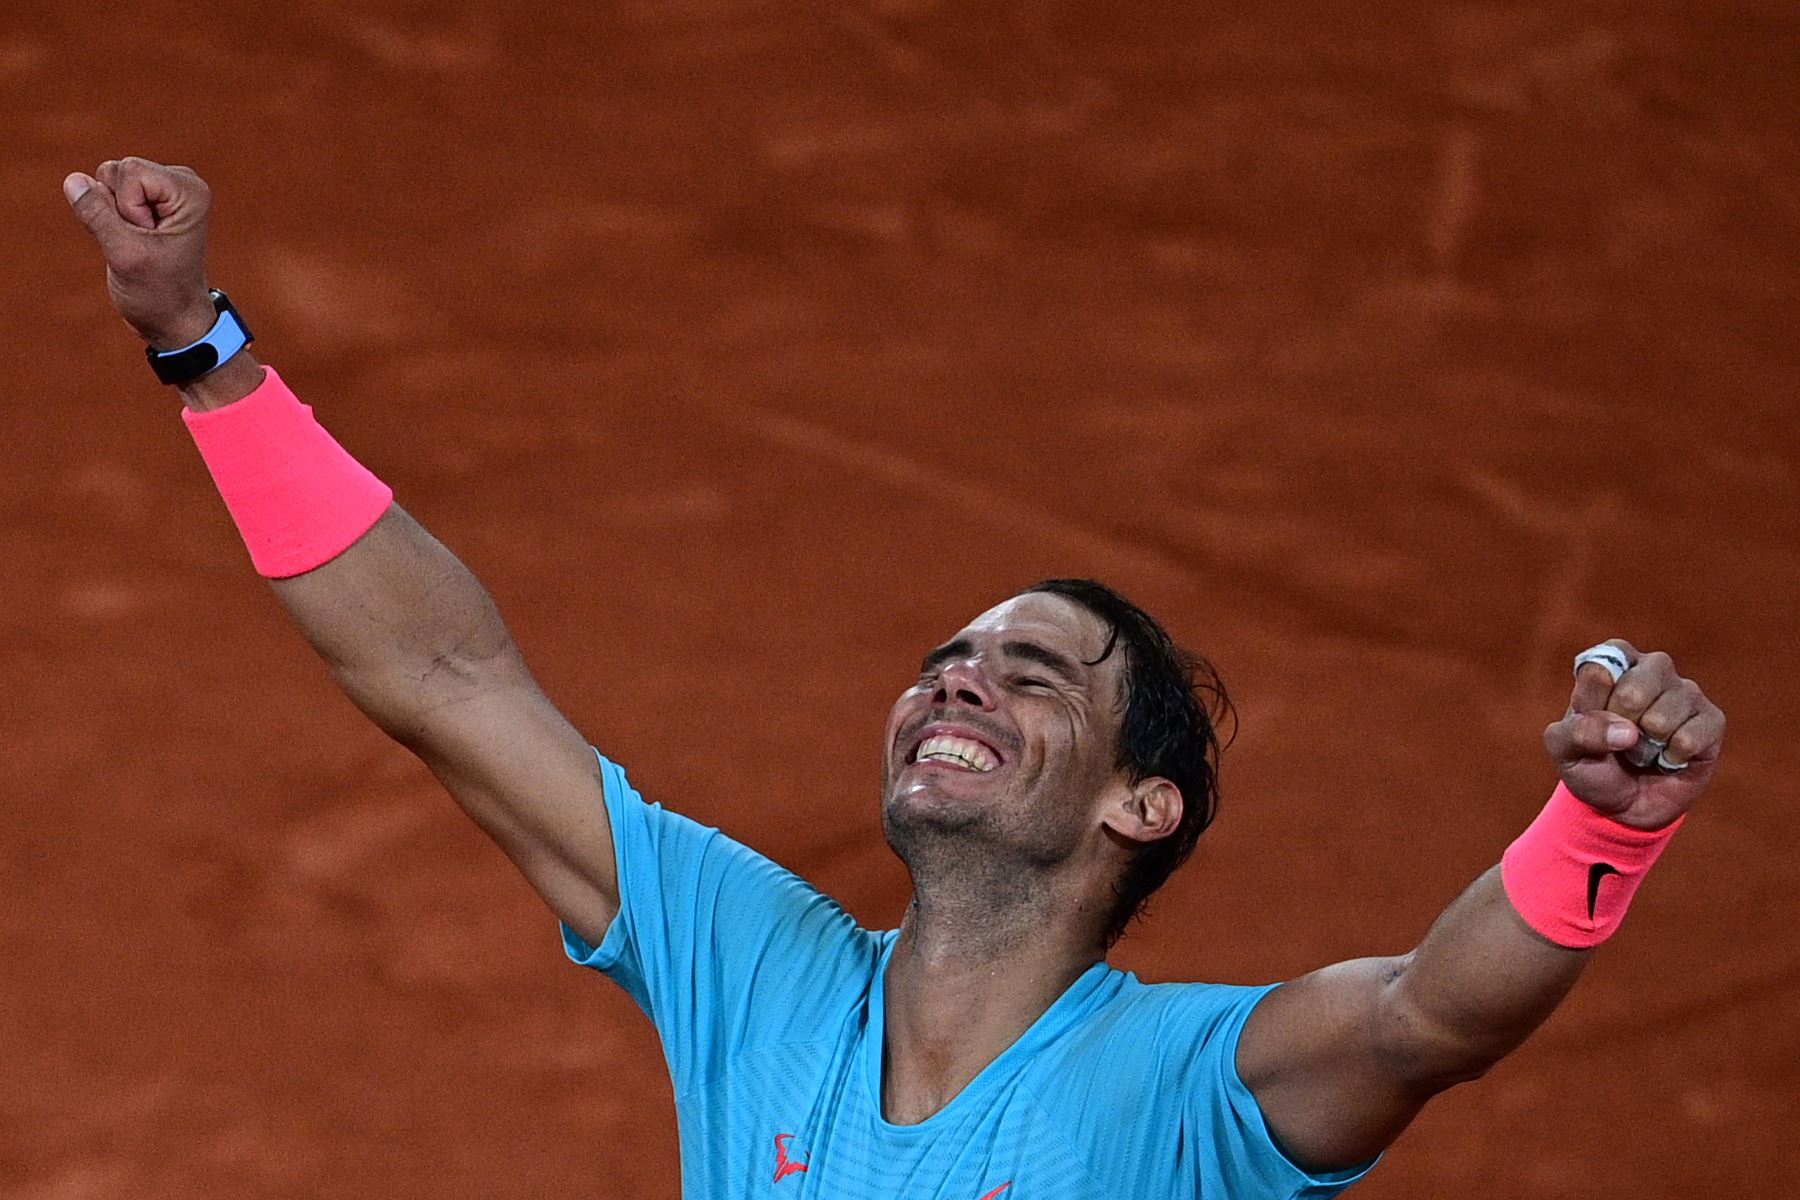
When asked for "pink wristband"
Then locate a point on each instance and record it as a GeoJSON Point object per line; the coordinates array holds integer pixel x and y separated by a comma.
{"type": "Point", "coordinates": [298, 498]}
{"type": "Point", "coordinates": [1572, 874]}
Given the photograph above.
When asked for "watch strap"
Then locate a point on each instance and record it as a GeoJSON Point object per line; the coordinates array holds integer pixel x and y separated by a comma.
{"type": "Point", "coordinates": [228, 335]}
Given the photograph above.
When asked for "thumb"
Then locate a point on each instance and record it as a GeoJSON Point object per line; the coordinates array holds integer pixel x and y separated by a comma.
{"type": "Point", "coordinates": [1589, 735]}
{"type": "Point", "coordinates": [96, 207]}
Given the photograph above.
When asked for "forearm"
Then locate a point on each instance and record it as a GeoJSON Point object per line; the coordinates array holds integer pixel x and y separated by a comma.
{"type": "Point", "coordinates": [401, 623]}
{"type": "Point", "coordinates": [1475, 988]}
{"type": "Point", "coordinates": [1343, 1058]}
{"type": "Point", "coordinates": [416, 643]}
{"type": "Point", "coordinates": [404, 627]}
{"type": "Point", "coordinates": [1507, 951]}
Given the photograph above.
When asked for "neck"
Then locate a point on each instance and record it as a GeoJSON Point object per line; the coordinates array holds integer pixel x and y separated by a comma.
{"type": "Point", "coordinates": [965, 980]}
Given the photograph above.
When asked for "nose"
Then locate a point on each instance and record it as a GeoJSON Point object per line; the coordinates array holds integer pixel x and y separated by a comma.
{"type": "Point", "coordinates": [963, 683]}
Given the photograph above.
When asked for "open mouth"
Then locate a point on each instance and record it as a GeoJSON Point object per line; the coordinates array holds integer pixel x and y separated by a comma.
{"type": "Point", "coordinates": [955, 751]}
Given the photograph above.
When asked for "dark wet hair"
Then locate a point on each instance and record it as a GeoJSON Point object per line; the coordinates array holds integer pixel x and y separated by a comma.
{"type": "Point", "coordinates": [1174, 702]}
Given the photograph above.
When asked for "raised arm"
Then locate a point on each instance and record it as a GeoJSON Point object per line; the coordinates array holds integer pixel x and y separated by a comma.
{"type": "Point", "coordinates": [405, 629]}
{"type": "Point", "coordinates": [1341, 1060]}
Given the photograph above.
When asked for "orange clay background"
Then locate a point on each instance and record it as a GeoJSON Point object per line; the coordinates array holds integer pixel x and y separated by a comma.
{"type": "Point", "coordinates": [1392, 353]}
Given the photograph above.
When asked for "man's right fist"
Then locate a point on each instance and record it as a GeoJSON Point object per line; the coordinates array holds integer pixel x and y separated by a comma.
{"type": "Point", "coordinates": [150, 221]}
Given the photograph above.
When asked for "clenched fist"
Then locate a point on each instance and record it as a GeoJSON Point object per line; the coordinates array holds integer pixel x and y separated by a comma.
{"type": "Point", "coordinates": [150, 221]}
{"type": "Point", "coordinates": [1652, 700]}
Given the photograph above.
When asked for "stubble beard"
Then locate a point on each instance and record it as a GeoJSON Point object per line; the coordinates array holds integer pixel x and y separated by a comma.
{"type": "Point", "coordinates": [962, 860]}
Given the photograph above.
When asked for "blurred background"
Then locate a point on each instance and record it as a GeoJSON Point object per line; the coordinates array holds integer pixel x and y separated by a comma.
{"type": "Point", "coordinates": [1391, 353]}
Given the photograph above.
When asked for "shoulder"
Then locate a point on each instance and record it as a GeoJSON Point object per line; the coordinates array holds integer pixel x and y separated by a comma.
{"type": "Point", "coordinates": [1206, 1011]}
{"type": "Point", "coordinates": [1165, 1027]}
{"type": "Point", "coordinates": [1143, 1073]}
{"type": "Point", "coordinates": [1187, 1009]}
{"type": "Point", "coordinates": [688, 889]}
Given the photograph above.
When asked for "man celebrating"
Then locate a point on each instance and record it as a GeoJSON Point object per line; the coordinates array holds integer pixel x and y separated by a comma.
{"type": "Point", "coordinates": [1053, 763]}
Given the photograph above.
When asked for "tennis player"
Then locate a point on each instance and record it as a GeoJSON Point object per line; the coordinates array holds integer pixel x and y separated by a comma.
{"type": "Point", "coordinates": [1050, 766]}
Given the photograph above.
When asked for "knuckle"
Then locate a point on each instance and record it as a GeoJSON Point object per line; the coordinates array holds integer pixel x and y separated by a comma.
{"type": "Point", "coordinates": [1686, 743]}
{"type": "Point", "coordinates": [1594, 671]}
{"type": "Point", "coordinates": [130, 260]}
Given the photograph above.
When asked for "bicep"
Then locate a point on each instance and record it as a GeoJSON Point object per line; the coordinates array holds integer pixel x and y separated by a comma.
{"type": "Point", "coordinates": [531, 781]}
{"type": "Point", "coordinates": [1313, 1053]}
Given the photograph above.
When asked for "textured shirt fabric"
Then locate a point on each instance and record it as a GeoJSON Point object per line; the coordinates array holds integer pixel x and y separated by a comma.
{"type": "Point", "coordinates": [768, 999]}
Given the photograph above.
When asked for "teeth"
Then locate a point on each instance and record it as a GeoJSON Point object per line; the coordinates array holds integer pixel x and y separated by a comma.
{"type": "Point", "coordinates": [961, 751]}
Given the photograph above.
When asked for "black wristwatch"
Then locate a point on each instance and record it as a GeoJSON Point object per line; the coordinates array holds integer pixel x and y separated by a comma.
{"type": "Point", "coordinates": [228, 335]}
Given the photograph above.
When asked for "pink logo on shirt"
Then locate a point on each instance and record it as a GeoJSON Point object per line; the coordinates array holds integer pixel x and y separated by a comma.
{"type": "Point", "coordinates": [783, 1165]}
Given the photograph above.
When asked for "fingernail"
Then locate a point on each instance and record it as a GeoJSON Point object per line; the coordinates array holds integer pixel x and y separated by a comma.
{"type": "Point", "coordinates": [76, 186]}
{"type": "Point", "coordinates": [1619, 735]}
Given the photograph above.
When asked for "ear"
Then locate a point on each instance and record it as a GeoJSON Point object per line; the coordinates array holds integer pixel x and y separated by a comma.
{"type": "Point", "coordinates": [1145, 812]}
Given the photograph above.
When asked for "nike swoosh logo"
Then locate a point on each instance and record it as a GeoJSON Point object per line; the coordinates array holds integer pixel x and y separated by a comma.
{"type": "Point", "coordinates": [1596, 873]}
{"type": "Point", "coordinates": [997, 1191]}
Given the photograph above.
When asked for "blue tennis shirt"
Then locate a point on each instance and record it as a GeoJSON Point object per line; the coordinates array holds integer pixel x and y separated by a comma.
{"type": "Point", "coordinates": [768, 1000]}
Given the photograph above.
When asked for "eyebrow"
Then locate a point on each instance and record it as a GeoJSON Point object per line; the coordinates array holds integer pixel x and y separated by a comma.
{"type": "Point", "coordinates": [1043, 656]}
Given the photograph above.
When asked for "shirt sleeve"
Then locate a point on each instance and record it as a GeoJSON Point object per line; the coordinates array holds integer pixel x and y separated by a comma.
{"type": "Point", "coordinates": [1220, 1113]}
{"type": "Point", "coordinates": [723, 949]}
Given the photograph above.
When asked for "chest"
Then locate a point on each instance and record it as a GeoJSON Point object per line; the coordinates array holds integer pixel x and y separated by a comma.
{"type": "Point", "coordinates": [802, 1123]}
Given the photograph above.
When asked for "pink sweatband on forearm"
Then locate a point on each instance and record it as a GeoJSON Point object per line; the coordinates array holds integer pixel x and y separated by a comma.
{"type": "Point", "coordinates": [1572, 874]}
{"type": "Point", "coordinates": [298, 498]}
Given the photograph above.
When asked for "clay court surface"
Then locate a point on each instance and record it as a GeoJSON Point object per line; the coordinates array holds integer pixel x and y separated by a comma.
{"type": "Point", "coordinates": [1392, 353]}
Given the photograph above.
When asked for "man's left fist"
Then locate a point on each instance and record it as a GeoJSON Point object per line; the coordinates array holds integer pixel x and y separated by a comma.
{"type": "Point", "coordinates": [150, 221]}
{"type": "Point", "coordinates": [1651, 699]}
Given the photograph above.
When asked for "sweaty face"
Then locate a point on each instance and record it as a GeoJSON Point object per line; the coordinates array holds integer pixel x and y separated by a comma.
{"type": "Point", "coordinates": [1009, 738]}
